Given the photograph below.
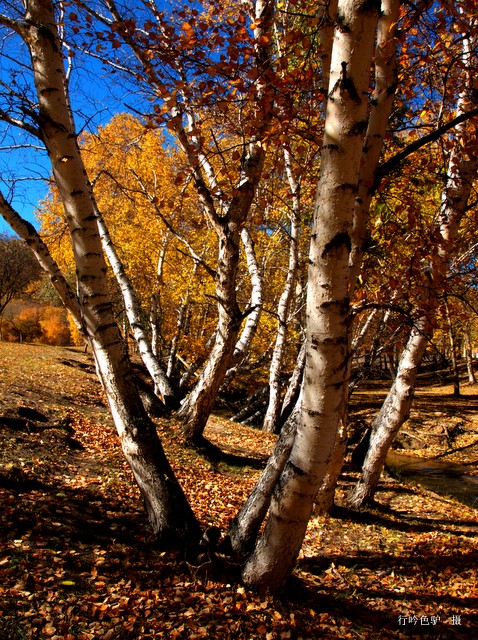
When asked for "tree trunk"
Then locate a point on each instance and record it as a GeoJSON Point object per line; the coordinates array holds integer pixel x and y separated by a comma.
{"type": "Point", "coordinates": [462, 169]}
{"type": "Point", "coordinates": [273, 409]}
{"type": "Point", "coordinates": [325, 386]}
{"type": "Point", "coordinates": [325, 499]}
{"type": "Point", "coordinates": [197, 407]}
{"type": "Point", "coordinates": [469, 358]}
{"type": "Point", "coordinates": [162, 386]}
{"type": "Point", "coordinates": [395, 410]}
{"type": "Point", "coordinates": [454, 363]}
{"type": "Point", "coordinates": [254, 308]}
{"type": "Point", "coordinates": [245, 527]}
{"type": "Point", "coordinates": [168, 511]}
{"type": "Point", "coordinates": [293, 388]}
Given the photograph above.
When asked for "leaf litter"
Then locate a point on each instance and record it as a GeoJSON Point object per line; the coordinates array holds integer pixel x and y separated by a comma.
{"type": "Point", "coordinates": [77, 561]}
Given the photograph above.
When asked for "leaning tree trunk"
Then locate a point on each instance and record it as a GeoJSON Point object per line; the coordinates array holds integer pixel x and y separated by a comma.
{"type": "Point", "coordinates": [254, 309]}
{"type": "Point", "coordinates": [292, 393]}
{"type": "Point", "coordinates": [244, 528]}
{"type": "Point", "coordinates": [469, 358]}
{"type": "Point", "coordinates": [162, 385]}
{"type": "Point", "coordinates": [454, 362]}
{"type": "Point", "coordinates": [168, 511]}
{"type": "Point", "coordinates": [325, 386]}
{"type": "Point", "coordinates": [461, 174]}
{"type": "Point", "coordinates": [197, 407]}
{"type": "Point", "coordinates": [395, 410]}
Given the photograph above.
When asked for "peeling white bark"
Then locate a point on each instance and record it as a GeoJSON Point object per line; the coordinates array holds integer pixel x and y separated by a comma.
{"type": "Point", "coordinates": [285, 301]}
{"type": "Point", "coordinates": [162, 386]}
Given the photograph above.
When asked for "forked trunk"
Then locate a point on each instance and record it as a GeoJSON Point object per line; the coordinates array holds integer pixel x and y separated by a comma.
{"type": "Point", "coordinates": [169, 513]}
{"type": "Point", "coordinates": [325, 386]}
{"type": "Point", "coordinates": [245, 527]}
{"type": "Point", "coordinates": [162, 385]}
{"type": "Point", "coordinates": [197, 407]}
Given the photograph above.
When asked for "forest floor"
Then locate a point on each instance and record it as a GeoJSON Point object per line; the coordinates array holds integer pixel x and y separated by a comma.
{"type": "Point", "coordinates": [77, 561]}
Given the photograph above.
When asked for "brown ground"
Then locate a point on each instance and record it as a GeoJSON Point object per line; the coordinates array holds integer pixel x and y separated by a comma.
{"type": "Point", "coordinates": [77, 561]}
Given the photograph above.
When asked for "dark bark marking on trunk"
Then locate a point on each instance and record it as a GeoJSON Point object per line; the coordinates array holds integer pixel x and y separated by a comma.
{"type": "Point", "coordinates": [342, 23]}
{"type": "Point", "coordinates": [349, 186]}
{"type": "Point", "coordinates": [370, 6]}
{"type": "Point", "coordinates": [341, 239]}
{"type": "Point", "coordinates": [49, 90]}
{"type": "Point", "coordinates": [342, 305]}
{"type": "Point", "coordinates": [358, 128]}
{"type": "Point", "coordinates": [106, 327]}
{"type": "Point", "coordinates": [312, 413]}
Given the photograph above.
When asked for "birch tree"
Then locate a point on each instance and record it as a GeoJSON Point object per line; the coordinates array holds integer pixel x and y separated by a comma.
{"type": "Point", "coordinates": [324, 392]}
{"type": "Point", "coordinates": [461, 174]}
{"type": "Point", "coordinates": [226, 187]}
{"type": "Point", "coordinates": [50, 121]}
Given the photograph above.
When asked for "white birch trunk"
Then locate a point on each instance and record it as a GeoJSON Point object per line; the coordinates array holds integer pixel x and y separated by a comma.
{"type": "Point", "coordinates": [169, 513]}
{"type": "Point", "coordinates": [291, 395]}
{"type": "Point", "coordinates": [283, 308]}
{"type": "Point", "coordinates": [325, 385]}
{"type": "Point", "coordinates": [395, 410]}
{"type": "Point", "coordinates": [382, 101]}
{"type": "Point", "coordinates": [245, 527]}
{"type": "Point", "coordinates": [162, 386]}
{"type": "Point", "coordinates": [155, 307]}
{"type": "Point", "coordinates": [469, 359]}
{"type": "Point", "coordinates": [255, 306]}
{"type": "Point", "coordinates": [196, 409]}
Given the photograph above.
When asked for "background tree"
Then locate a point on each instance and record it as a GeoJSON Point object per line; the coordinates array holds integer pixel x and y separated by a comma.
{"type": "Point", "coordinates": [461, 173]}
{"type": "Point", "coordinates": [18, 269]}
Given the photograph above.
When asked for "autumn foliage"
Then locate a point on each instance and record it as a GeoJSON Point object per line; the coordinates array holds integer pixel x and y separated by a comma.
{"type": "Point", "coordinates": [45, 324]}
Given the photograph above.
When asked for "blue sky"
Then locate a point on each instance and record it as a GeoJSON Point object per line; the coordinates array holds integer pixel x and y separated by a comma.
{"type": "Point", "coordinates": [24, 164]}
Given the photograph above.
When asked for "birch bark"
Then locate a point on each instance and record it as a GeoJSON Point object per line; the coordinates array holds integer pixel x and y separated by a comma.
{"type": "Point", "coordinates": [169, 513]}
{"type": "Point", "coordinates": [324, 392]}
{"type": "Point", "coordinates": [162, 386]}
{"type": "Point", "coordinates": [197, 407]}
{"type": "Point", "coordinates": [254, 306]}
{"type": "Point", "coordinates": [283, 309]}
{"type": "Point", "coordinates": [395, 410]}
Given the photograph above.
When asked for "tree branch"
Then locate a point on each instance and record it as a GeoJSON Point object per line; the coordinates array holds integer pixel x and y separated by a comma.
{"type": "Point", "coordinates": [390, 164]}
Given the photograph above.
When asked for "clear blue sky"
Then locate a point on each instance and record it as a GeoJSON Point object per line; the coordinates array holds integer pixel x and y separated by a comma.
{"type": "Point", "coordinates": [24, 165]}
{"type": "Point", "coordinates": [96, 95]}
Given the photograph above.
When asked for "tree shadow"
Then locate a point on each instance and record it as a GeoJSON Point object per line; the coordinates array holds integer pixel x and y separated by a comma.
{"type": "Point", "coordinates": [384, 516]}
{"type": "Point", "coordinates": [216, 456]}
{"type": "Point", "coordinates": [370, 614]}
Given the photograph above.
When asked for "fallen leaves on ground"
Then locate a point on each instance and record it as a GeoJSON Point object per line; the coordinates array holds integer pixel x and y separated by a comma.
{"type": "Point", "coordinates": [77, 561]}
